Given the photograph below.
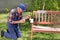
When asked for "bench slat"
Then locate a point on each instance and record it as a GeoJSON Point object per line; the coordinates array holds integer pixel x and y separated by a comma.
{"type": "Point", "coordinates": [45, 29]}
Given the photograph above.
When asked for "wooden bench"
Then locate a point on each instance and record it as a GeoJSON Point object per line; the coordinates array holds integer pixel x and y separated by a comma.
{"type": "Point", "coordinates": [45, 17]}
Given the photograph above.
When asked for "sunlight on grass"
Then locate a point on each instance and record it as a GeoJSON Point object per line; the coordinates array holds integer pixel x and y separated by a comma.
{"type": "Point", "coordinates": [3, 16]}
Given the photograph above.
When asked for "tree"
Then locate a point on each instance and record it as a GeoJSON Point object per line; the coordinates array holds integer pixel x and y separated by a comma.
{"type": "Point", "coordinates": [45, 5]}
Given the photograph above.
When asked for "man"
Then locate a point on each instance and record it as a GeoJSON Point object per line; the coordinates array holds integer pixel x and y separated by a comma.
{"type": "Point", "coordinates": [15, 17]}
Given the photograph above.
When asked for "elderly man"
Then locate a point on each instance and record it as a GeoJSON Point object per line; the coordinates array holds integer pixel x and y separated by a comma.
{"type": "Point", "coordinates": [15, 17]}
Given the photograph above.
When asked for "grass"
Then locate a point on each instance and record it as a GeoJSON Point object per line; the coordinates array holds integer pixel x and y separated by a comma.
{"type": "Point", "coordinates": [26, 30]}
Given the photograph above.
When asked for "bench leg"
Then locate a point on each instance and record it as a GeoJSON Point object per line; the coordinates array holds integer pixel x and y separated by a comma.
{"type": "Point", "coordinates": [31, 35]}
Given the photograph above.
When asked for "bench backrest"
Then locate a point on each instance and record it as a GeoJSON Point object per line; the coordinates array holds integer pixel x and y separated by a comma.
{"type": "Point", "coordinates": [46, 17]}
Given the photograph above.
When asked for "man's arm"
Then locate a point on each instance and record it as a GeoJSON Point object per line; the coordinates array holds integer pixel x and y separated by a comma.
{"type": "Point", "coordinates": [20, 21]}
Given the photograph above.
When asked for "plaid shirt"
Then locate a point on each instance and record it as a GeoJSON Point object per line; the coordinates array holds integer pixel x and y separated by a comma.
{"type": "Point", "coordinates": [14, 16]}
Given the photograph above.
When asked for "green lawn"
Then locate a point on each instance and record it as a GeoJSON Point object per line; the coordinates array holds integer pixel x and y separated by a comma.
{"type": "Point", "coordinates": [25, 30]}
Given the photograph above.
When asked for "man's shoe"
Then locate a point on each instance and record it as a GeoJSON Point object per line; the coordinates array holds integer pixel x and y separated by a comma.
{"type": "Point", "coordinates": [2, 33]}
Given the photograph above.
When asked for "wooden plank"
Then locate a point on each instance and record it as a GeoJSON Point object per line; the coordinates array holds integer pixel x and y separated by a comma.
{"type": "Point", "coordinates": [39, 17]}
{"type": "Point", "coordinates": [45, 17]}
{"type": "Point", "coordinates": [42, 23]}
{"type": "Point", "coordinates": [54, 12]}
{"type": "Point", "coordinates": [42, 17]}
{"type": "Point", "coordinates": [54, 17]}
{"type": "Point", "coordinates": [45, 29]}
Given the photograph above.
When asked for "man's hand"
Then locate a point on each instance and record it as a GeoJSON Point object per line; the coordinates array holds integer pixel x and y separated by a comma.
{"type": "Point", "coordinates": [27, 17]}
{"type": "Point", "coordinates": [13, 22]}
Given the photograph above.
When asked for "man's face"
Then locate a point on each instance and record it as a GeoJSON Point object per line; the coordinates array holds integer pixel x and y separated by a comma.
{"type": "Point", "coordinates": [19, 10]}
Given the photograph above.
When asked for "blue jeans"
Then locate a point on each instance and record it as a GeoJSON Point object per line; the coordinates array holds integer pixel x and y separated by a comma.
{"type": "Point", "coordinates": [13, 31]}
{"type": "Point", "coordinates": [14, 39]}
